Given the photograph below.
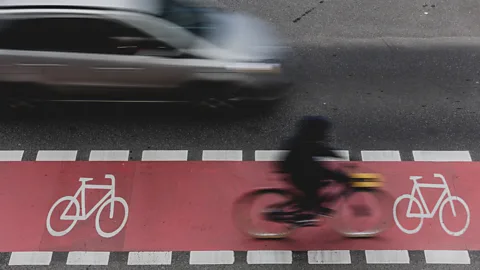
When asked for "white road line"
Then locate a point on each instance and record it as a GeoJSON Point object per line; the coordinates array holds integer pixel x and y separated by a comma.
{"type": "Point", "coordinates": [212, 257]}
{"type": "Point", "coordinates": [269, 257]}
{"type": "Point", "coordinates": [381, 156]}
{"type": "Point", "coordinates": [344, 154]}
{"type": "Point", "coordinates": [225, 155]}
{"type": "Point", "coordinates": [329, 257]}
{"type": "Point", "coordinates": [441, 156]}
{"type": "Point", "coordinates": [14, 155]}
{"type": "Point", "coordinates": [447, 256]}
{"type": "Point", "coordinates": [150, 258]}
{"type": "Point", "coordinates": [387, 256]}
{"type": "Point", "coordinates": [164, 155]}
{"type": "Point", "coordinates": [270, 155]}
{"type": "Point", "coordinates": [60, 155]}
{"type": "Point", "coordinates": [109, 155]}
{"type": "Point", "coordinates": [30, 258]}
{"type": "Point", "coordinates": [88, 258]}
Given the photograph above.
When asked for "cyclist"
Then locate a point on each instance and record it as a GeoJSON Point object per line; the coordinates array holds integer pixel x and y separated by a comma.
{"type": "Point", "coordinates": [307, 174]}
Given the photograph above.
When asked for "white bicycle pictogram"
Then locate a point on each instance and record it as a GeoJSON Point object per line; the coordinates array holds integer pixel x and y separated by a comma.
{"type": "Point", "coordinates": [109, 198]}
{"type": "Point", "coordinates": [424, 211]}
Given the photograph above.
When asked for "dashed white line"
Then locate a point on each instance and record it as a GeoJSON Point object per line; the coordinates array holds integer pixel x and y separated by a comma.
{"type": "Point", "coordinates": [441, 156]}
{"type": "Point", "coordinates": [30, 258]}
{"type": "Point", "coordinates": [269, 257]}
{"type": "Point", "coordinates": [381, 156]}
{"type": "Point", "coordinates": [329, 257]}
{"type": "Point", "coordinates": [165, 155]}
{"type": "Point", "coordinates": [211, 257]}
{"type": "Point", "coordinates": [150, 258]}
{"type": "Point", "coordinates": [14, 155]}
{"type": "Point", "coordinates": [222, 155]}
{"type": "Point", "coordinates": [109, 155]}
{"type": "Point", "coordinates": [88, 258]}
{"type": "Point", "coordinates": [387, 256]}
{"type": "Point", "coordinates": [447, 257]}
{"type": "Point", "coordinates": [270, 155]}
{"type": "Point", "coordinates": [344, 156]}
{"type": "Point", "coordinates": [54, 155]}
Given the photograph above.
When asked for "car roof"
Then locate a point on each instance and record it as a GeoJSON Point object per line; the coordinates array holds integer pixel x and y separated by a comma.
{"type": "Point", "coordinates": [146, 6]}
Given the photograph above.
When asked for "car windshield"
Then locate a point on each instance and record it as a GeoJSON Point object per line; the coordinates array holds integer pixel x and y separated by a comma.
{"type": "Point", "coordinates": [184, 13]}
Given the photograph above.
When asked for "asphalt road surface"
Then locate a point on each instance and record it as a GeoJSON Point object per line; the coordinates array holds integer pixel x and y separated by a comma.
{"type": "Point", "coordinates": [392, 75]}
{"type": "Point", "coordinates": [387, 74]}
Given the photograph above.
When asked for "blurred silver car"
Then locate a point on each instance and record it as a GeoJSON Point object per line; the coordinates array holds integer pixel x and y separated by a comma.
{"type": "Point", "coordinates": [137, 50]}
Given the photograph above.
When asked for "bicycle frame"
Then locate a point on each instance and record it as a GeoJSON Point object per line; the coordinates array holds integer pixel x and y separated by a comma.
{"type": "Point", "coordinates": [416, 188]}
{"type": "Point", "coordinates": [81, 191]}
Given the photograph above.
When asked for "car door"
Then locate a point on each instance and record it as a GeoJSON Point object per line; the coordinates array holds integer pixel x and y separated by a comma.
{"type": "Point", "coordinates": [28, 51]}
{"type": "Point", "coordinates": [128, 62]}
{"type": "Point", "coordinates": [84, 55]}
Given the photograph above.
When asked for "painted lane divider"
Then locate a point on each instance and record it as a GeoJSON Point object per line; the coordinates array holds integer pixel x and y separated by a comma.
{"type": "Point", "coordinates": [329, 257]}
{"type": "Point", "coordinates": [277, 257]}
{"type": "Point", "coordinates": [149, 258]}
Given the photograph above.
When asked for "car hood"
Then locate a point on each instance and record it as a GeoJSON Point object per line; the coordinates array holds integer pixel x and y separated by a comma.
{"type": "Point", "coordinates": [240, 36]}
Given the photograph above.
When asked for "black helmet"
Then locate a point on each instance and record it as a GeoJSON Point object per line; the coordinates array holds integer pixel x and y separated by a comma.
{"type": "Point", "coordinates": [314, 128]}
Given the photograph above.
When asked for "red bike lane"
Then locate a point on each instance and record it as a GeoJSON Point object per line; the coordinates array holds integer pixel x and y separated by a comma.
{"type": "Point", "coordinates": [184, 206]}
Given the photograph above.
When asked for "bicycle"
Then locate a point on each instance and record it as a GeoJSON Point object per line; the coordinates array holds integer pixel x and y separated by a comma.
{"type": "Point", "coordinates": [441, 202]}
{"type": "Point", "coordinates": [84, 216]}
{"type": "Point", "coordinates": [370, 183]}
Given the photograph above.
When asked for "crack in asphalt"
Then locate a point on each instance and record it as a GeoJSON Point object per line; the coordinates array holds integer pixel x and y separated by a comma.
{"type": "Point", "coordinates": [306, 12]}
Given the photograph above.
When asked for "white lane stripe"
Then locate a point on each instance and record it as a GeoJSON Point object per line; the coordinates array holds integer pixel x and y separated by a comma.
{"type": "Point", "coordinates": [344, 154]}
{"type": "Point", "coordinates": [30, 258]}
{"type": "Point", "coordinates": [163, 155]}
{"type": "Point", "coordinates": [109, 155]}
{"type": "Point", "coordinates": [88, 258]}
{"type": "Point", "coordinates": [269, 257]}
{"type": "Point", "coordinates": [225, 155]}
{"type": "Point", "coordinates": [150, 258]}
{"type": "Point", "coordinates": [442, 156]}
{"type": "Point", "coordinates": [14, 155]}
{"type": "Point", "coordinates": [329, 257]}
{"type": "Point", "coordinates": [60, 155]}
{"type": "Point", "coordinates": [387, 256]}
{"type": "Point", "coordinates": [270, 155]}
{"type": "Point", "coordinates": [447, 256]}
{"type": "Point", "coordinates": [381, 156]}
{"type": "Point", "coordinates": [212, 257]}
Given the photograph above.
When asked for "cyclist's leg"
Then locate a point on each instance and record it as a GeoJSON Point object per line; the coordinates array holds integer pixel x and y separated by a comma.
{"type": "Point", "coordinates": [321, 175]}
{"type": "Point", "coordinates": [307, 214]}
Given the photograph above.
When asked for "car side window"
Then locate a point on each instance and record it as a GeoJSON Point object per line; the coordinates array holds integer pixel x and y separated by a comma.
{"type": "Point", "coordinates": [74, 34]}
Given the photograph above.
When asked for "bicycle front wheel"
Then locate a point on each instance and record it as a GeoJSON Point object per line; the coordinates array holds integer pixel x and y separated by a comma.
{"type": "Point", "coordinates": [242, 214]}
{"type": "Point", "coordinates": [459, 213]}
{"type": "Point", "coordinates": [109, 202]}
{"type": "Point", "coordinates": [371, 209]}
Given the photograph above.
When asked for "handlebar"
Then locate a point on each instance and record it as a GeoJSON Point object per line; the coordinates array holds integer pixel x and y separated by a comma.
{"type": "Point", "coordinates": [111, 177]}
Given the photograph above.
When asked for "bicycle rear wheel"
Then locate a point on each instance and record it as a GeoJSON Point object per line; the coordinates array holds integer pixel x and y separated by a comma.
{"type": "Point", "coordinates": [382, 201]}
{"type": "Point", "coordinates": [242, 215]}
